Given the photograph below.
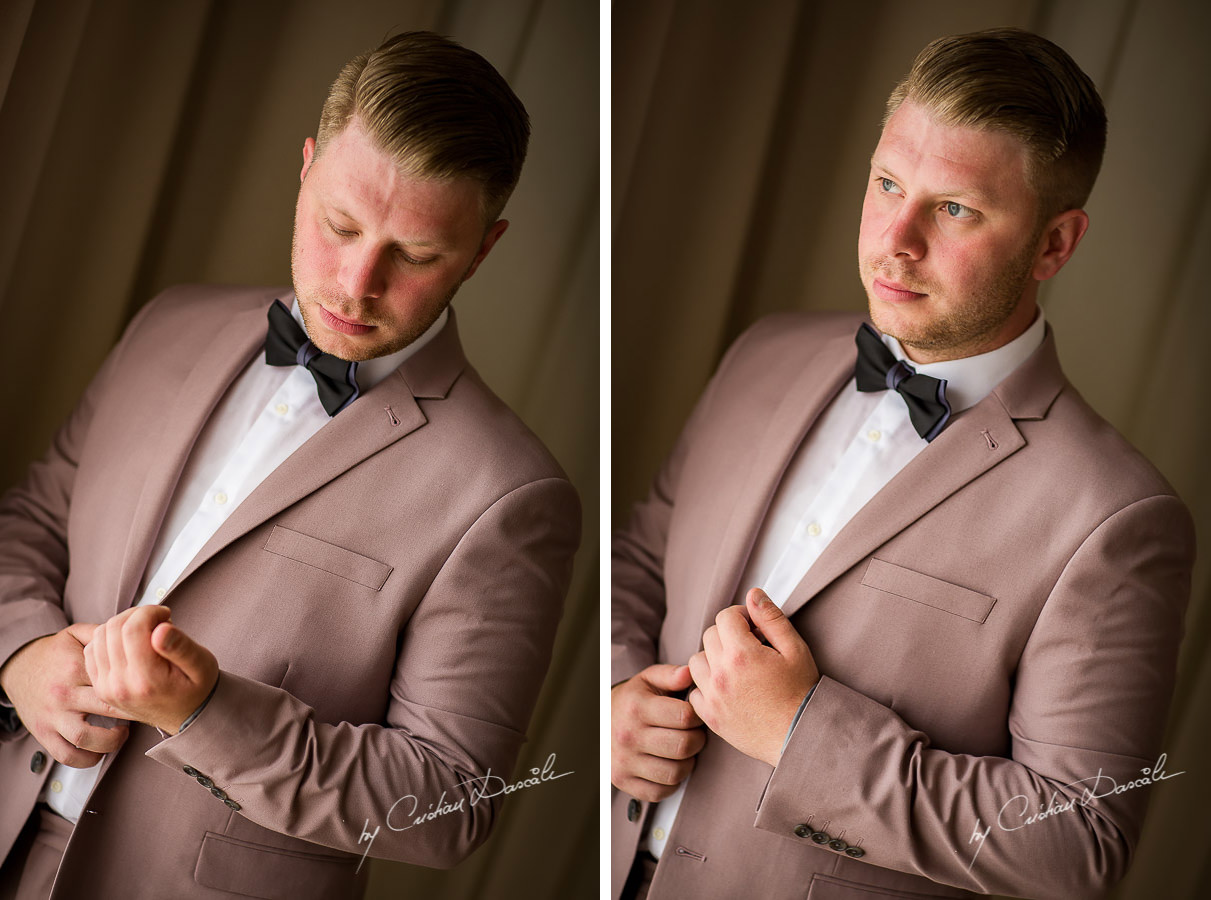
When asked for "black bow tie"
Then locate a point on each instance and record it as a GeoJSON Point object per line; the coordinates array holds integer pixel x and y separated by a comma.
{"type": "Point", "coordinates": [287, 345]}
{"type": "Point", "coordinates": [879, 370]}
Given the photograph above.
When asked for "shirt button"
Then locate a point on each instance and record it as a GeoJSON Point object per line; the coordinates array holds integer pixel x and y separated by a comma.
{"type": "Point", "coordinates": [56, 786]}
{"type": "Point", "coordinates": [281, 409]}
{"type": "Point", "coordinates": [220, 498]}
{"type": "Point", "coordinates": [161, 593]}
{"type": "Point", "coordinates": [874, 434]}
{"type": "Point", "coordinates": [813, 529]}
{"type": "Point", "coordinates": [658, 834]}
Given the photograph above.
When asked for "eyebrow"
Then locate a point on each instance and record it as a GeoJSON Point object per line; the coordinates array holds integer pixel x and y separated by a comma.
{"type": "Point", "coordinates": [963, 193]}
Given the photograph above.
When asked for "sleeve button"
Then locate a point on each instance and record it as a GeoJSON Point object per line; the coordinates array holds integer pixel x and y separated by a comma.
{"type": "Point", "coordinates": [802, 830]}
{"type": "Point", "coordinates": [855, 852]}
{"type": "Point", "coordinates": [820, 837]}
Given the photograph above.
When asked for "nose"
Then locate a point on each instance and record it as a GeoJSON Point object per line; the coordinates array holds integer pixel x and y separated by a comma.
{"type": "Point", "coordinates": [904, 235]}
{"type": "Point", "coordinates": [361, 273]}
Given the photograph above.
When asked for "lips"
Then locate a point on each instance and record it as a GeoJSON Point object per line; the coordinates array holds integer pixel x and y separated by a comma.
{"type": "Point", "coordinates": [344, 326]}
{"type": "Point", "coordinates": [894, 291]}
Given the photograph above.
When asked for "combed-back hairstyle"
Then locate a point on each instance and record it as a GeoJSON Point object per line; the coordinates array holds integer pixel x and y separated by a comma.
{"type": "Point", "coordinates": [1013, 81]}
{"type": "Point", "coordinates": [440, 110]}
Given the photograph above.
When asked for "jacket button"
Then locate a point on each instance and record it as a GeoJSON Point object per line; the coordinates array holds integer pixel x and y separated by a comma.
{"type": "Point", "coordinates": [855, 852]}
{"type": "Point", "coordinates": [633, 810]}
{"type": "Point", "coordinates": [37, 762]}
{"type": "Point", "coordinates": [821, 837]}
{"type": "Point", "coordinates": [837, 844]}
{"type": "Point", "coordinates": [219, 792]}
{"type": "Point", "coordinates": [205, 782]}
{"type": "Point", "coordinates": [802, 830]}
{"type": "Point", "coordinates": [232, 804]}
{"type": "Point", "coordinates": [191, 771]}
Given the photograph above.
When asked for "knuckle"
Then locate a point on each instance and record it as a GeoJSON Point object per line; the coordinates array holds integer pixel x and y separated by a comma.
{"type": "Point", "coordinates": [74, 733]}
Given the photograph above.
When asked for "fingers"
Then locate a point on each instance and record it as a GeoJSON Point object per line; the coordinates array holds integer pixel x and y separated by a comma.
{"type": "Point", "coordinates": [83, 699]}
{"type": "Point", "coordinates": [666, 678]}
{"type": "Point", "coordinates": [65, 753]}
{"type": "Point", "coordinates": [81, 631]}
{"type": "Point", "coordinates": [644, 789]}
{"type": "Point", "coordinates": [776, 627]}
{"type": "Point", "coordinates": [136, 637]}
{"type": "Point", "coordinates": [172, 644]}
{"type": "Point", "coordinates": [95, 738]}
{"type": "Point", "coordinates": [654, 737]}
{"type": "Point", "coordinates": [76, 743]}
{"type": "Point", "coordinates": [700, 669]}
{"type": "Point", "coordinates": [735, 627]}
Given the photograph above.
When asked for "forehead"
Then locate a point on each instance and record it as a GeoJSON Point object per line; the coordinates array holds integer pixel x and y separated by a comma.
{"type": "Point", "coordinates": [953, 158]}
{"type": "Point", "coordinates": [363, 181]}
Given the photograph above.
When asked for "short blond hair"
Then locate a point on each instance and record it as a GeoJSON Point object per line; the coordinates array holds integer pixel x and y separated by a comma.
{"type": "Point", "coordinates": [1013, 81]}
{"type": "Point", "coordinates": [440, 110]}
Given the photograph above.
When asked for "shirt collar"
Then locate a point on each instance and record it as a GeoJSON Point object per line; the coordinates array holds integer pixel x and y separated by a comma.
{"type": "Point", "coordinates": [971, 379]}
{"type": "Point", "coordinates": [371, 371]}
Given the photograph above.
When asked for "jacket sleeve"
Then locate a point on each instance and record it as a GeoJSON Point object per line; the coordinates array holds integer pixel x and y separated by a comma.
{"type": "Point", "coordinates": [470, 664]}
{"type": "Point", "coordinates": [637, 606]}
{"type": "Point", "coordinates": [1060, 817]}
{"type": "Point", "coordinates": [33, 527]}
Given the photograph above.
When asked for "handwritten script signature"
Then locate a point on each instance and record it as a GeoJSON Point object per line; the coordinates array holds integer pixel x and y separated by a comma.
{"type": "Point", "coordinates": [1015, 814]}
{"type": "Point", "coordinates": [482, 787]}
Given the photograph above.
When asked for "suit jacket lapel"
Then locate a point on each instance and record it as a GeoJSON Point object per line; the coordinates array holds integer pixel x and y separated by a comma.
{"type": "Point", "coordinates": [234, 345]}
{"type": "Point", "coordinates": [974, 442]}
{"type": "Point", "coordinates": [818, 382]}
{"type": "Point", "coordinates": [377, 419]}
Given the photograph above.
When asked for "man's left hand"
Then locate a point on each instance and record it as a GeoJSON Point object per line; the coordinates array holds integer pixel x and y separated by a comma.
{"type": "Point", "coordinates": [748, 692]}
{"type": "Point", "coordinates": [147, 668]}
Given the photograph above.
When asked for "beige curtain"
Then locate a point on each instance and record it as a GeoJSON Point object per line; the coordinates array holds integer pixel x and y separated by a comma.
{"type": "Point", "coordinates": [147, 143]}
{"type": "Point", "coordinates": [741, 138]}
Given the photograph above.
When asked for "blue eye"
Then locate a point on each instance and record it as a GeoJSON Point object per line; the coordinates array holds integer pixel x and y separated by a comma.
{"type": "Point", "coordinates": [957, 210]}
{"type": "Point", "coordinates": [888, 186]}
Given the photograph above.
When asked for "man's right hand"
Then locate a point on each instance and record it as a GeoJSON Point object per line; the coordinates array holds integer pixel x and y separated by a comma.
{"type": "Point", "coordinates": [654, 737]}
{"type": "Point", "coordinates": [47, 684]}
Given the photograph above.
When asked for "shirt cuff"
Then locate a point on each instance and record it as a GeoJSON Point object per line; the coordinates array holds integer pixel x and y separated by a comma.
{"type": "Point", "coordinates": [794, 721]}
{"type": "Point", "coordinates": [197, 712]}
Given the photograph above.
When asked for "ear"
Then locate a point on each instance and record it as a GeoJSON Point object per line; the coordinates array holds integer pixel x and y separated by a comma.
{"type": "Point", "coordinates": [490, 238]}
{"type": "Point", "coordinates": [1058, 242]}
{"type": "Point", "coordinates": [308, 157]}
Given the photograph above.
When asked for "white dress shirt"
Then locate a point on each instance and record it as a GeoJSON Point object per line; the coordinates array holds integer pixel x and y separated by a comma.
{"type": "Point", "coordinates": [266, 414]}
{"type": "Point", "coordinates": [861, 442]}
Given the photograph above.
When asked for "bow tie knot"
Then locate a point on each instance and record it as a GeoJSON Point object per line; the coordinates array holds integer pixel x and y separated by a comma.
{"type": "Point", "coordinates": [878, 369]}
{"type": "Point", "coordinates": [288, 345]}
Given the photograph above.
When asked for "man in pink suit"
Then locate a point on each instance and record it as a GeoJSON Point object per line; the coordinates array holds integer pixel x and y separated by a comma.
{"type": "Point", "coordinates": [900, 615]}
{"type": "Point", "coordinates": [289, 576]}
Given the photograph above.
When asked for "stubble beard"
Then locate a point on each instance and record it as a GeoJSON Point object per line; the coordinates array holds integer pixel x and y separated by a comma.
{"type": "Point", "coordinates": [964, 329]}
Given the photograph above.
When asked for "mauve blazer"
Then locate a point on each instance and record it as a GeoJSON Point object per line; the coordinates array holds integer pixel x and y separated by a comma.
{"type": "Point", "coordinates": [382, 608]}
{"type": "Point", "coordinates": [998, 624]}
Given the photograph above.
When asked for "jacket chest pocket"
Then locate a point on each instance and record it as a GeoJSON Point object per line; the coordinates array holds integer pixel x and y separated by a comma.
{"type": "Point", "coordinates": [897, 581]}
{"type": "Point", "coordinates": [327, 558]}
